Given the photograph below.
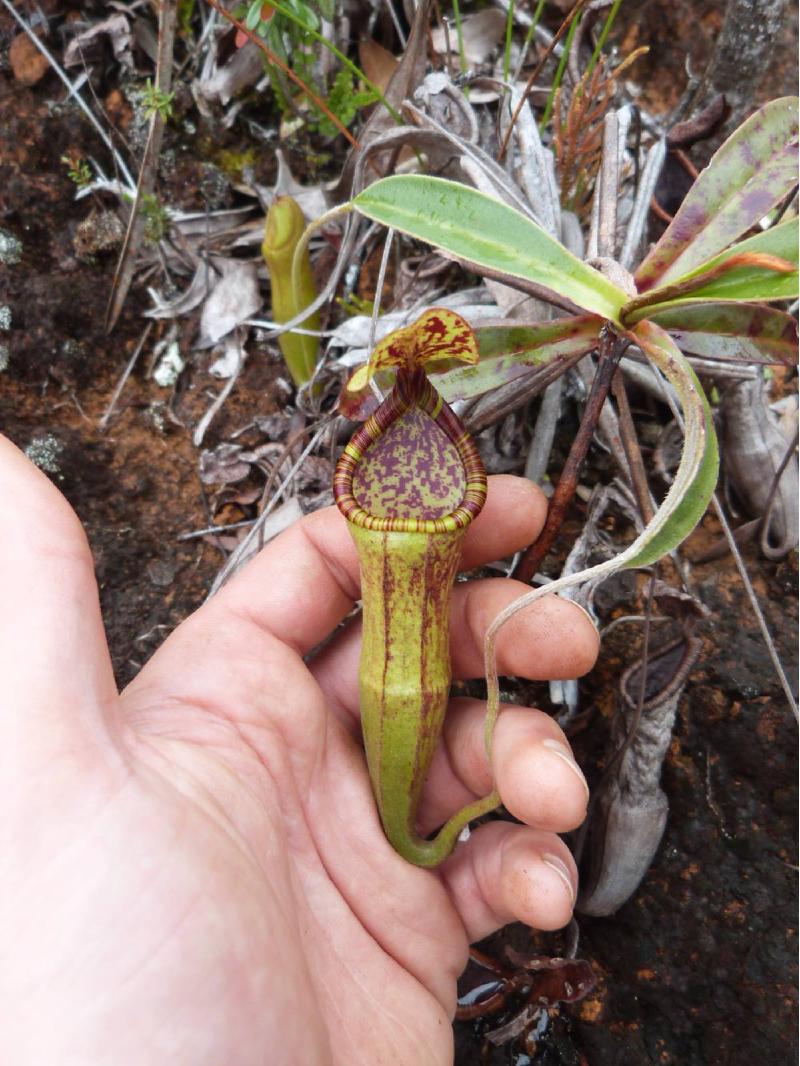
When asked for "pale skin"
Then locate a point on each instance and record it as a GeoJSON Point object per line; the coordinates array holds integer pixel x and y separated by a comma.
{"type": "Point", "coordinates": [193, 870]}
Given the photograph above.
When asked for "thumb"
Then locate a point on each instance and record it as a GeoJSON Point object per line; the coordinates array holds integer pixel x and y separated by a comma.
{"type": "Point", "coordinates": [56, 683]}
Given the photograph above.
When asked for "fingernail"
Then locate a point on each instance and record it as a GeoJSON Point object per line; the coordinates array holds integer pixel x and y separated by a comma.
{"type": "Point", "coordinates": [563, 752]}
{"type": "Point", "coordinates": [580, 607]}
{"type": "Point", "coordinates": [560, 867]}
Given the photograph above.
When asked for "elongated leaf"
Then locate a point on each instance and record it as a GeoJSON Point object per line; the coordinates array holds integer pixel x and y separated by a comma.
{"type": "Point", "coordinates": [681, 509]}
{"type": "Point", "coordinates": [485, 231]}
{"type": "Point", "coordinates": [745, 282]}
{"type": "Point", "coordinates": [690, 492]}
{"type": "Point", "coordinates": [747, 332]}
{"type": "Point", "coordinates": [506, 353]}
{"type": "Point", "coordinates": [752, 172]}
{"type": "Point", "coordinates": [510, 352]}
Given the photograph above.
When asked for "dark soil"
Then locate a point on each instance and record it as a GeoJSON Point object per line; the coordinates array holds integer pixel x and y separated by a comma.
{"type": "Point", "coordinates": [698, 969]}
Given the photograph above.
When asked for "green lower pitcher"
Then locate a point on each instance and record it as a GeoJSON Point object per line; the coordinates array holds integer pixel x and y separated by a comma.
{"type": "Point", "coordinates": [409, 483]}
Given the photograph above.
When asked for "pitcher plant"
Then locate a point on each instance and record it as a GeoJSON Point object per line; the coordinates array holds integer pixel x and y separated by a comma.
{"type": "Point", "coordinates": [409, 484]}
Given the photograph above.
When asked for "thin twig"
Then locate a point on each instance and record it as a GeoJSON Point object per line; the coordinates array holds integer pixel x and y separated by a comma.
{"type": "Point", "coordinates": [286, 453]}
{"type": "Point", "coordinates": [751, 595]}
{"type": "Point", "coordinates": [607, 423]}
{"type": "Point", "coordinates": [492, 406]}
{"type": "Point", "coordinates": [210, 530]}
{"type": "Point", "coordinates": [610, 352]}
{"type": "Point", "coordinates": [562, 29]}
{"type": "Point", "coordinates": [73, 92]}
{"type": "Point", "coordinates": [126, 264]}
{"type": "Point", "coordinates": [633, 452]}
{"type": "Point", "coordinates": [126, 373]}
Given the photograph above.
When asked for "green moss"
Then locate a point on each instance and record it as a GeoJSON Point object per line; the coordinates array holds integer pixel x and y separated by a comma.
{"type": "Point", "coordinates": [233, 162]}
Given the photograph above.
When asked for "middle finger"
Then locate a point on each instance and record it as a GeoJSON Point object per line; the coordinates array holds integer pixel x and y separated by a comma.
{"type": "Point", "coordinates": [551, 639]}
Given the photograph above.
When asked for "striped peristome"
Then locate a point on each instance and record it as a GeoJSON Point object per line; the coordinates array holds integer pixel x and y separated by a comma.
{"type": "Point", "coordinates": [412, 389]}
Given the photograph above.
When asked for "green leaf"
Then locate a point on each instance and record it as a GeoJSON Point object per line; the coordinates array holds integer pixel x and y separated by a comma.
{"type": "Point", "coordinates": [696, 477]}
{"type": "Point", "coordinates": [747, 332]}
{"type": "Point", "coordinates": [745, 282]}
{"type": "Point", "coordinates": [752, 172]}
{"type": "Point", "coordinates": [485, 231]}
{"type": "Point", "coordinates": [510, 352]}
{"type": "Point", "coordinates": [681, 509]}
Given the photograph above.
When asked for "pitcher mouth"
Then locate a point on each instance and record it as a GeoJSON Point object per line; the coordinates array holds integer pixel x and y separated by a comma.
{"type": "Point", "coordinates": [411, 389]}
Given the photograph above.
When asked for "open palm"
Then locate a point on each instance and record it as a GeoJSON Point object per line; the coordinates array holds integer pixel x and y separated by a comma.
{"type": "Point", "coordinates": [194, 871]}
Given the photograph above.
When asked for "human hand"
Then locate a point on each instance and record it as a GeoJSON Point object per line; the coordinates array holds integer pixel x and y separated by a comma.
{"type": "Point", "coordinates": [194, 872]}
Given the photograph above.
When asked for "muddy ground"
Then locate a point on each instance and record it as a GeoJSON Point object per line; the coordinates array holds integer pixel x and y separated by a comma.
{"type": "Point", "coordinates": [699, 968]}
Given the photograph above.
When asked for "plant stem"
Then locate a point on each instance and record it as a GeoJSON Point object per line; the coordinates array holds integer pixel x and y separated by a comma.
{"type": "Point", "coordinates": [529, 37]}
{"type": "Point", "coordinates": [351, 66]}
{"type": "Point", "coordinates": [507, 49]}
{"type": "Point", "coordinates": [601, 40]}
{"type": "Point", "coordinates": [548, 109]}
{"type": "Point", "coordinates": [632, 451]}
{"type": "Point", "coordinates": [562, 29]}
{"type": "Point", "coordinates": [610, 353]}
{"type": "Point", "coordinates": [287, 70]}
{"type": "Point", "coordinates": [462, 58]}
{"type": "Point", "coordinates": [146, 184]}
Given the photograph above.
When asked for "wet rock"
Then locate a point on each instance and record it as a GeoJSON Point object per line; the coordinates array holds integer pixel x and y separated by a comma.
{"type": "Point", "coordinates": [161, 572]}
{"type": "Point", "coordinates": [10, 248]}
{"type": "Point", "coordinates": [45, 451]}
{"type": "Point", "coordinates": [100, 231]}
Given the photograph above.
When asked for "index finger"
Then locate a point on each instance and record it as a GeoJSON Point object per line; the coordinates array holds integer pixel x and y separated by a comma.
{"type": "Point", "coordinates": [307, 580]}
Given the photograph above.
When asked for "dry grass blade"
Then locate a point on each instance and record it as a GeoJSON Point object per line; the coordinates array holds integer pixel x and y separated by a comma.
{"type": "Point", "coordinates": [126, 264]}
{"type": "Point", "coordinates": [73, 92]}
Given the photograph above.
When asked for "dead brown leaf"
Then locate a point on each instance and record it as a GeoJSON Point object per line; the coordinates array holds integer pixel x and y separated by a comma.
{"type": "Point", "coordinates": [377, 62]}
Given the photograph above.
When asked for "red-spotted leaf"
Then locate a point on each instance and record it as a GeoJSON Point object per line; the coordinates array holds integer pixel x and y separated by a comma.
{"type": "Point", "coordinates": [731, 331]}
{"type": "Point", "coordinates": [753, 171]}
{"type": "Point", "coordinates": [763, 267]}
{"type": "Point", "coordinates": [511, 352]}
{"type": "Point", "coordinates": [437, 340]}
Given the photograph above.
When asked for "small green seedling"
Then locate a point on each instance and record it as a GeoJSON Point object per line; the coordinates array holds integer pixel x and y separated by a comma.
{"type": "Point", "coordinates": [156, 101]}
